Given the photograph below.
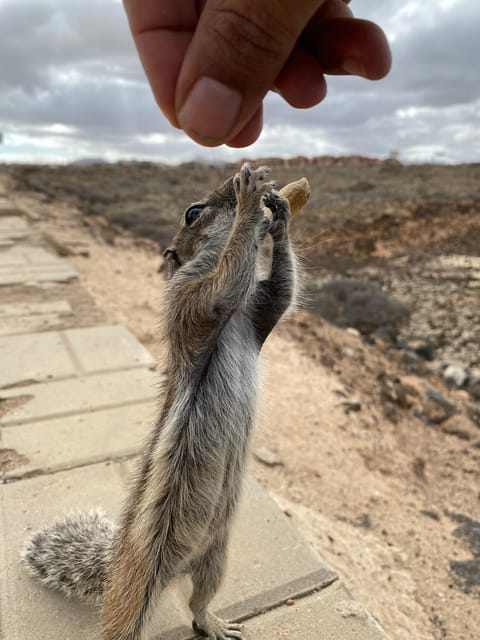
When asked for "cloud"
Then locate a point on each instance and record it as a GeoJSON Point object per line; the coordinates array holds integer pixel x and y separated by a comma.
{"type": "Point", "coordinates": [48, 43]}
{"type": "Point", "coordinates": [72, 85]}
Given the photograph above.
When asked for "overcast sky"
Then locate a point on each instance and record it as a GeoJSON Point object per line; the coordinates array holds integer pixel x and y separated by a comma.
{"type": "Point", "coordinates": [71, 86]}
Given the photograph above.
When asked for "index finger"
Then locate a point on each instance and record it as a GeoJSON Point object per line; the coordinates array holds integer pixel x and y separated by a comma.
{"type": "Point", "coordinates": [162, 31]}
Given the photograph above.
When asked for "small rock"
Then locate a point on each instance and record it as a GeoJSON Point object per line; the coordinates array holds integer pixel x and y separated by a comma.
{"type": "Point", "coordinates": [455, 332]}
{"type": "Point", "coordinates": [327, 360]}
{"type": "Point", "coordinates": [268, 457]}
{"type": "Point", "coordinates": [351, 609]}
{"type": "Point", "coordinates": [414, 363]}
{"type": "Point", "coordinates": [437, 408]}
{"type": "Point", "coordinates": [474, 384]}
{"type": "Point", "coordinates": [393, 391]}
{"type": "Point", "coordinates": [440, 399]}
{"type": "Point", "coordinates": [364, 521]}
{"type": "Point", "coordinates": [352, 331]}
{"type": "Point", "coordinates": [422, 347]}
{"type": "Point", "coordinates": [458, 426]}
{"type": "Point", "coordinates": [430, 513]}
{"type": "Point", "coordinates": [467, 337]}
{"type": "Point", "coordinates": [352, 406]}
{"type": "Point", "coordinates": [419, 468]}
{"type": "Point", "coordinates": [290, 602]}
{"type": "Point", "coordinates": [413, 385]}
{"type": "Point", "coordinates": [438, 337]}
{"type": "Point", "coordinates": [303, 325]}
{"type": "Point", "coordinates": [455, 375]}
{"type": "Point", "coordinates": [466, 573]}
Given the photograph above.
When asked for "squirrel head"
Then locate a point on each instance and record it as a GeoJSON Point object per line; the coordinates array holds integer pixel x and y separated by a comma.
{"type": "Point", "coordinates": [205, 225]}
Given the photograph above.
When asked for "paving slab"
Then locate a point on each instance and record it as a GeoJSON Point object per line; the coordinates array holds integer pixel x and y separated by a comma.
{"type": "Point", "coordinates": [52, 355]}
{"type": "Point", "coordinates": [60, 398]}
{"type": "Point", "coordinates": [84, 312]}
{"type": "Point", "coordinates": [331, 614]}
{"type": "Point", "coordinates": [260, 572]}
{"type": "Point", "coordinates": [26, 610]}
{"type": "Point", "coordinates": [27, 275]}
{"type": "Point", "coordinates": [28, 254]}
{"type": "Point", "coordinates": [16, 256]}
{"type": "Point", "coordinates": [34, 357]}
{"type": "Point", "coordinates": [103, 348]}
{"type": "Point", "coordinates": [61, 443]}
{"type": "Point", "coordinates": [24, 264]}
{"type": "Point", "coordinates": [29, 324]}
{"type": "Point", "coordinates": [37, 256]}
{"type": "Point", "coordinates": [14, 228]}
{"type": "Point", "coordinates": [61, 307]}
{"type": "Point", "coordinates": [24, 317]}
{"type": "Point", "coordinates": [8, 209]}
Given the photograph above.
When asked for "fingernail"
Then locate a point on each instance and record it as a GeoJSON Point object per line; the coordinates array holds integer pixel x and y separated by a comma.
{"type": "Point", "coordinates": [210, 110]}
{"type": "Point", "coordinates": [354, 67]}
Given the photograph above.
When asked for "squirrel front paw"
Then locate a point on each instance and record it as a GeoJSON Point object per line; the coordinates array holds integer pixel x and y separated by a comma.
{"type": "Point", "coordinates": [250, 187]}
{"type": "Point", "coordinates": [278, 205]}
{"type": "Point", "coordinates": [280, 208]}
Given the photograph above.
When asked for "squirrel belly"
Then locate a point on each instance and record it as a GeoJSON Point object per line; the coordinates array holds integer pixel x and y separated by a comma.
{"type": "Point", "coordinates": [72, 554]}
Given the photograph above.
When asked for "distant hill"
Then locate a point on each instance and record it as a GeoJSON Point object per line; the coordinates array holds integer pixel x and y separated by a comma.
{"type": "Point", "coordinates": [82, 161]}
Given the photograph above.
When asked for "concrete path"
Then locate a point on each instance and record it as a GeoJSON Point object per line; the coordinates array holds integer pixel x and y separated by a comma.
{"type": "Point", "coordinates": [22, 261]}
{"type": "Point", "coordinates": [75, 405]}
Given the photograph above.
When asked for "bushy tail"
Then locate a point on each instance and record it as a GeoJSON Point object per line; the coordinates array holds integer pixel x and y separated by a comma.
{"type": "Point", "coordinates": [72, 554]}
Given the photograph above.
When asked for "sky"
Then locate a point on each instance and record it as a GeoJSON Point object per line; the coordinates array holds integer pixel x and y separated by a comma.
{"type": "Point", "coordinates": [71, 87]}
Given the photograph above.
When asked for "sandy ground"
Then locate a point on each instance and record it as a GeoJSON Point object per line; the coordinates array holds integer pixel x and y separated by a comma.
{"type": "Point", "coordinates": [381, 499]}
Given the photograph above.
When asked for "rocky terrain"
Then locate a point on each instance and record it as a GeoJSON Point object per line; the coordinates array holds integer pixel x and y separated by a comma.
{"type": "Point", "coordinates": [412, 231]}
{"type": "Point", "coordinates": [373, 388]}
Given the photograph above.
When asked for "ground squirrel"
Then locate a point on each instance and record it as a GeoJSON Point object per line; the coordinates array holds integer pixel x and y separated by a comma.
{"type": "Point", "coordinates": [177, 517]}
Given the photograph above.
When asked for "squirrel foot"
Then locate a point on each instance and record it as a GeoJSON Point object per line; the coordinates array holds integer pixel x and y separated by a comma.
{"type": "Point", "coordinates": [217, 629]}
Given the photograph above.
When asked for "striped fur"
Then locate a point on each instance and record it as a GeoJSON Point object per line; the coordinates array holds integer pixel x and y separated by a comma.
{"type": "Point", "coordinates": [178, 515]}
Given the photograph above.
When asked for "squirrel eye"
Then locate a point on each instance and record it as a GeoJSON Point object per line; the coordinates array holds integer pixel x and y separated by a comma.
{"type": "Point", "coordinates": [192, 213]}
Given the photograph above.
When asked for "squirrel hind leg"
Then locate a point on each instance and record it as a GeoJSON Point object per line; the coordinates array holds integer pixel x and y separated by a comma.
{"type": "Point", "coordinates": [71, 554]}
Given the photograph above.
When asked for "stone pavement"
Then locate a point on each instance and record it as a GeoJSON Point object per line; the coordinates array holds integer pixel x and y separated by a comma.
{"type": "Point", "coordinates": [23, 261]}
{"type": "Point", "coordinates": [75, 405]}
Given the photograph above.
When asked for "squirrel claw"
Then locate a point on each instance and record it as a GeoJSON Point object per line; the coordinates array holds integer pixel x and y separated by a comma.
{"type": "Point", "coordinates": [217, 629]}
{"type": "Point", "coordinates": [249, 179]}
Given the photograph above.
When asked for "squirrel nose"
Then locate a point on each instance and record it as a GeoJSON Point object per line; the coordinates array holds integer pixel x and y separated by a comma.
{"type": "Point", "coordinates": [171, 254]}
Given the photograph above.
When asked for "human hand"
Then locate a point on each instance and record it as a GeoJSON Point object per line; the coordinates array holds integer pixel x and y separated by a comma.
{"type": "Point", "coordinates": [210, 63]}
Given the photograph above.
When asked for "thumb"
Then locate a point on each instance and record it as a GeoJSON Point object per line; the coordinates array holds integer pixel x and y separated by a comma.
{"type": "Point", "coordinates": [237, 52]}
